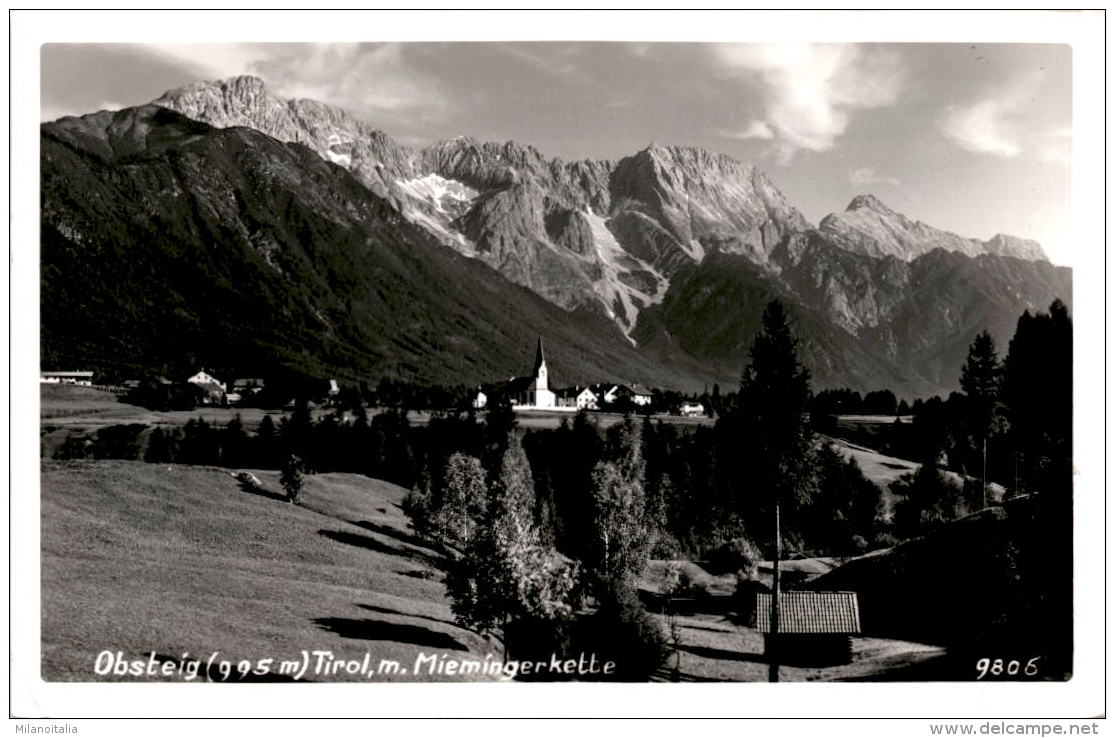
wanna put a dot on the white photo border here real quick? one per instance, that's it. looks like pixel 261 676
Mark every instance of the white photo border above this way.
pixel 1080 697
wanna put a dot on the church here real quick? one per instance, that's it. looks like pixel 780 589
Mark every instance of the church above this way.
pixel 534 390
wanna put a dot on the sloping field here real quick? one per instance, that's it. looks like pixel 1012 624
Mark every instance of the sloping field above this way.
pixel 713 648
pixel 63 409
pixel 716 644
pixel 183 562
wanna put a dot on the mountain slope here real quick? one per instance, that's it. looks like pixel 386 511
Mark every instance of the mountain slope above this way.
pixel 597 235
pixel 713 311
pixel 869 227
pixel 629 250
pixel 168 243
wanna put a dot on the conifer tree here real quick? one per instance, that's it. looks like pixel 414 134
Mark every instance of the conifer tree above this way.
pixel 980 380
pixel 292 479
pixel 774 398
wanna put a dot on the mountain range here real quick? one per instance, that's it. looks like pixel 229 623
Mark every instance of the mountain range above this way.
pixel 256 229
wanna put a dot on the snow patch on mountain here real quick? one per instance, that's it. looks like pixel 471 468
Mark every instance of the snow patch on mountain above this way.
pixel 440 192
pixel 441 230
pixel 615 261
pixel 343 159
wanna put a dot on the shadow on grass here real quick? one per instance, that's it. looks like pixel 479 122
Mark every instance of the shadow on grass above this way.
pixel 935 669
pixel 706 627
pixel 373 544
pixel 426 574
pixel 261 491
pixel 705 605
pixel 389 611
pixel 379 630
pixel 723 654
pixel 399 535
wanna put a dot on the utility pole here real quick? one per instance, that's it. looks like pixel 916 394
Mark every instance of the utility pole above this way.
pixel 983 479
pixel 772 651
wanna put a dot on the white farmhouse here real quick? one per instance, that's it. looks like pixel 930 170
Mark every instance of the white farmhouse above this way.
pixel 692 409
pixel 203 378
pixel 586 399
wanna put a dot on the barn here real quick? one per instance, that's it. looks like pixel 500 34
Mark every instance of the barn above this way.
pixel 814 628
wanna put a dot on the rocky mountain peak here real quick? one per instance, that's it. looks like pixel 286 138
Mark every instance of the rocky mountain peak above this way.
pixel 1003 244
pixel 334 134
pixel 869 202
pixel 867 226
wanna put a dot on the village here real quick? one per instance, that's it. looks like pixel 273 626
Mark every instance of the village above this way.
pixel 531 392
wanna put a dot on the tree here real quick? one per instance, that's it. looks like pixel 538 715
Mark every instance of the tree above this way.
pixel 843 507
pixel 1037 397
pixel 773 402
pixel 621 531
pixel 265 446
pixel 928 499
pixel 296 431
pixel 505 573
pixel 980 379
pixel 235 443
pixel 161 447
pixel 463 499
pixel 774 399
pixel 292 479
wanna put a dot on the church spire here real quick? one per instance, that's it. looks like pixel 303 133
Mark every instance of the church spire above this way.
pixel 539 357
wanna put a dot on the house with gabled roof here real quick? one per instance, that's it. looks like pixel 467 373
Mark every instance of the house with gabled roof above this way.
pixel 641 394
pixel 203 378
pixel 814 628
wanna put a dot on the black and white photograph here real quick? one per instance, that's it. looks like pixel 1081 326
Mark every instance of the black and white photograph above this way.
pixel 414 359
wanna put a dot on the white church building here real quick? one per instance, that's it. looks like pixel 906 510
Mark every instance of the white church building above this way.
pixel 534 391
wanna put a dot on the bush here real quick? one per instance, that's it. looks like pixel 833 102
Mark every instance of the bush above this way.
pixel 118 442
pixel 744 599
pixel 622 631
pixel 416 506
pixel 737 555
pixel 665 546
pixel 292 478
pixel 74 447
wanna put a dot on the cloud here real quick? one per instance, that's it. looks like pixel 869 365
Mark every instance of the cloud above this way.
pixel 810 92
pixel 376 80
pixel 757 129
pixel 984 128
pixel 564 62
pixel 1000 124
pixel 868 176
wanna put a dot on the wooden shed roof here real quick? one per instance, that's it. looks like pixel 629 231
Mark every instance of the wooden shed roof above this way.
pixel 810 612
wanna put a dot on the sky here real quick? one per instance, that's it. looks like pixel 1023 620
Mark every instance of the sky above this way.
pixel 971 138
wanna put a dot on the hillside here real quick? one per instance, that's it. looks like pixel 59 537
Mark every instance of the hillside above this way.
pixel 168 244
pixel 181 560
pixel 995 582
pixel 261 232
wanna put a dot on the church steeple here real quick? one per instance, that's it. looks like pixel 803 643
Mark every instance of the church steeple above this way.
pixel 539 372
pixel 539 358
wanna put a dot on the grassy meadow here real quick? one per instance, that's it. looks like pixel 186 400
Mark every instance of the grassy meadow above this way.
pixel 177 559
pixel 184 561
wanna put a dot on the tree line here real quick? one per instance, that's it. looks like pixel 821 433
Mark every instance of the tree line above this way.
pixel 548 530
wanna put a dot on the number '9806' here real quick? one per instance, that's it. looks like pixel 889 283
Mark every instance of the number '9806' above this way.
pixel 991 668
